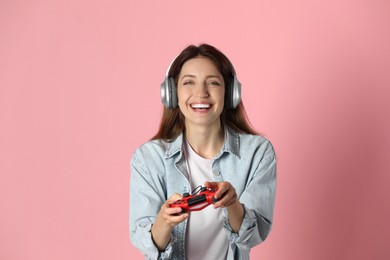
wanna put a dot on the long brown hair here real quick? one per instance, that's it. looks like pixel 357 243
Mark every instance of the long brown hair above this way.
pixel 172 121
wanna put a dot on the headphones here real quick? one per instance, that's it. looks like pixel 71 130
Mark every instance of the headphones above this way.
pixel 169 91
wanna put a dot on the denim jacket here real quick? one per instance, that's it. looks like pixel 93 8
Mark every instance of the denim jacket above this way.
pixel 158 170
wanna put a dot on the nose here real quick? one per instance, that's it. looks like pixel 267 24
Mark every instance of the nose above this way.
pixel 201 91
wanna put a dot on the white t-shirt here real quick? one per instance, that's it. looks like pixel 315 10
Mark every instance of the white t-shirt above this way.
pixel 205 236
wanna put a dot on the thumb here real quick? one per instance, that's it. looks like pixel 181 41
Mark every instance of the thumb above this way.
pixel 174 197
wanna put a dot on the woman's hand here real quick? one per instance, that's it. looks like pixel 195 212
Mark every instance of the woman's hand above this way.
pixel 227 198
pixel 167 218
pixel 172 216
pixel 226 194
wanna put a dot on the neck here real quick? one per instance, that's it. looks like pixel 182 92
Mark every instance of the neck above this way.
pixel 205 141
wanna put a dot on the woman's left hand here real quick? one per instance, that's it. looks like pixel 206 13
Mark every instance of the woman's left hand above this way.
pixel 226 194
pixel 227 197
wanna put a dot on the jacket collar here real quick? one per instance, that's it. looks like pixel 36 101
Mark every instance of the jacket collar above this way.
pixel 231 145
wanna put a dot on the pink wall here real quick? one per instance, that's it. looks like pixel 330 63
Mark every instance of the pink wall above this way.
pixel 79 91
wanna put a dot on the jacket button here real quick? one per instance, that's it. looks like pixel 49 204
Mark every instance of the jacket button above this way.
pixel 217 173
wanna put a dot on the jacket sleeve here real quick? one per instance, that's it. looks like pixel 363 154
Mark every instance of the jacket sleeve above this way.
pixel 258 201
pixel 146 198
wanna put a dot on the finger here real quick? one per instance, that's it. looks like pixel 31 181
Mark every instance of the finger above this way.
pixel 210 184
pixel 172 214
pixel 173 211
pixel 176 219
pixel 222 189
pixel 221 201
pixel 227 199
pixel 174 197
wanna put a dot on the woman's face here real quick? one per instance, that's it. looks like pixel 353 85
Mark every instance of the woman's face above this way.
pixel 201 92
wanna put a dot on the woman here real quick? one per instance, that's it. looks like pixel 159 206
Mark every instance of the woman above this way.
pixel 204 139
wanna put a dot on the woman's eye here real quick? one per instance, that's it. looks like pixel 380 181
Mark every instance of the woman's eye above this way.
pixel 187 82
pixel 214 83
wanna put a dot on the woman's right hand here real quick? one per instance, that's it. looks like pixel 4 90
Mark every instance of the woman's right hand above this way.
pixel 172 216
pixel 167 218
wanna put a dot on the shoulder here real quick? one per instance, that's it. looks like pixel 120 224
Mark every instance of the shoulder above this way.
pixel 151 148
pixel 158 148
pixel 256 143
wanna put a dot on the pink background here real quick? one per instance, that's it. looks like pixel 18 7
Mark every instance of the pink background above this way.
pixel 79 91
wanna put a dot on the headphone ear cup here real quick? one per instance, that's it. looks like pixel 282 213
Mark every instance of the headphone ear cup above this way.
pixel 164 88
pixel 233 94
pixel 173 92
pixel 169 93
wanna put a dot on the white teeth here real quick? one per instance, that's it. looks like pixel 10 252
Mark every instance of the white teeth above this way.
pixel 200 105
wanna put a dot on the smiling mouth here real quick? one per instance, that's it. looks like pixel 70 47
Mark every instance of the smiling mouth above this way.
pixel 200 106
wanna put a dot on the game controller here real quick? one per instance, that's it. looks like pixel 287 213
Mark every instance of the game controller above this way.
pixel 198 201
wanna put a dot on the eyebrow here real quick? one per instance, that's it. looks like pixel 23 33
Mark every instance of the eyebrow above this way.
pixel 193 76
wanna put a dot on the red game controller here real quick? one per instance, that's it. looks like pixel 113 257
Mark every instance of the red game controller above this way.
pixel 197 201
